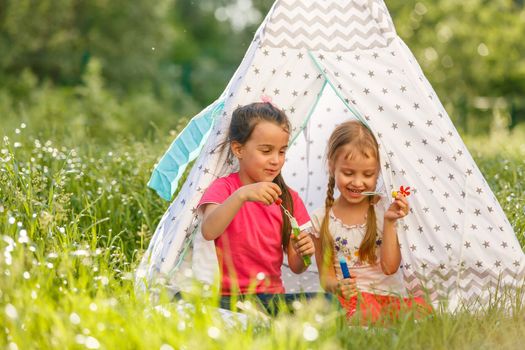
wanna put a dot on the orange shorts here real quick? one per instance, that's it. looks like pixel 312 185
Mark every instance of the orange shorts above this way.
pixel 374 308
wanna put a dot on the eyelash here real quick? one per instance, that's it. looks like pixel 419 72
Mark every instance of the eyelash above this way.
pixel 367 176
pixel 266 152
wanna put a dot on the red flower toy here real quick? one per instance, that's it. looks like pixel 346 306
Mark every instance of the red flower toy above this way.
pixel 403 190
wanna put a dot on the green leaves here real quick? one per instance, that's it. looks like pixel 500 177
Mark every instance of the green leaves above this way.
pixel 471 52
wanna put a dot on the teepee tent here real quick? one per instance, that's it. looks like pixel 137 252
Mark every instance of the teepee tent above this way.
pixel 325 62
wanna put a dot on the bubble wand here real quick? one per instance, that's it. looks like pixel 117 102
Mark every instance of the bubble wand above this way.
pixel 405 191
pixel 296 230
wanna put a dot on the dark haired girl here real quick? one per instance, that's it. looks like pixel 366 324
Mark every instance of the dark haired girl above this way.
pixel 241 211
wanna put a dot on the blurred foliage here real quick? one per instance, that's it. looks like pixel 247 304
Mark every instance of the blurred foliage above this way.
pixel 170 58
pixel 95 68
pixel 88 112
pixel 56 38
pixel 472 52
pixel 208 50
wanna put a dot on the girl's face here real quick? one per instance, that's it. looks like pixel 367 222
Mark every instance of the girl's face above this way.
pixel 355 173
pixel 262 156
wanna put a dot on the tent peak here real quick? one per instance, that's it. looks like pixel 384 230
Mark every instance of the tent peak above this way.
pixel 328 25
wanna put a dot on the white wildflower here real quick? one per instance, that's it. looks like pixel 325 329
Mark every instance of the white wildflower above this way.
pixel 11 312
pixel 74 318
pixel 214 332
pixel 310 333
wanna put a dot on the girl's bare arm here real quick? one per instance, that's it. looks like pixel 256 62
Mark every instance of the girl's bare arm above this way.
pixel 216 217
pixel 390 252
pixel 327 277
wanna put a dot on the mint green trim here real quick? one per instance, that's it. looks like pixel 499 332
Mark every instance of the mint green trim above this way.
pixel 307 119
pixel 321 70
pixel 184 149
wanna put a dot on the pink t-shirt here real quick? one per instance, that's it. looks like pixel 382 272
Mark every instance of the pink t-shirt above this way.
pixel 249 251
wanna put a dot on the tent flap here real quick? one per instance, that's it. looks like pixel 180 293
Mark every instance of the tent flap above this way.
pixel 183 150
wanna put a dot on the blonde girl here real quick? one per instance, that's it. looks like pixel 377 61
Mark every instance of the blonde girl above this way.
pixel 354 228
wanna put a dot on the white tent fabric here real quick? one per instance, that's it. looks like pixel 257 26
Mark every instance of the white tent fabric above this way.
pixel 324 62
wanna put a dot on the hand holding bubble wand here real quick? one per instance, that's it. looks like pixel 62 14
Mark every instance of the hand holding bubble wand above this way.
pixel 296 230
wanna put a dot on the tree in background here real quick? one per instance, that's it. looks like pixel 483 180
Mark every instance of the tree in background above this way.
pixel 55 39
pixel 212 37
pixel 98 67
pixel 473 53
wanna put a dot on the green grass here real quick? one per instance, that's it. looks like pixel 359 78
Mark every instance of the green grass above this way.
pixel 74 222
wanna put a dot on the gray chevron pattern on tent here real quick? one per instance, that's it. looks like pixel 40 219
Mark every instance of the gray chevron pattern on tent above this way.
pixel 443 284
pixel 329 25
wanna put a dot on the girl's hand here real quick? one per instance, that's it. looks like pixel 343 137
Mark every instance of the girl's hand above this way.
pixel 264 192
pixel 303 244
pixel 347 288
pixel 398 209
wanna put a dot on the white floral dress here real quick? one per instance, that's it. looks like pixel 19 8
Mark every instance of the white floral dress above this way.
pixel 347 238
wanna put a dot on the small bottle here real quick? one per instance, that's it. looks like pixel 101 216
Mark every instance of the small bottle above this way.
pixel 296 230
pixel 344 267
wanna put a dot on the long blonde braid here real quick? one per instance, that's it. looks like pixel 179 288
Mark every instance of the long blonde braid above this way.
pixel 327 241
pixel 367 249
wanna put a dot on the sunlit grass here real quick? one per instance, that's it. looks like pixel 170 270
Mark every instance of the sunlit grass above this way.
pixel 501 158
pixel 74 222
